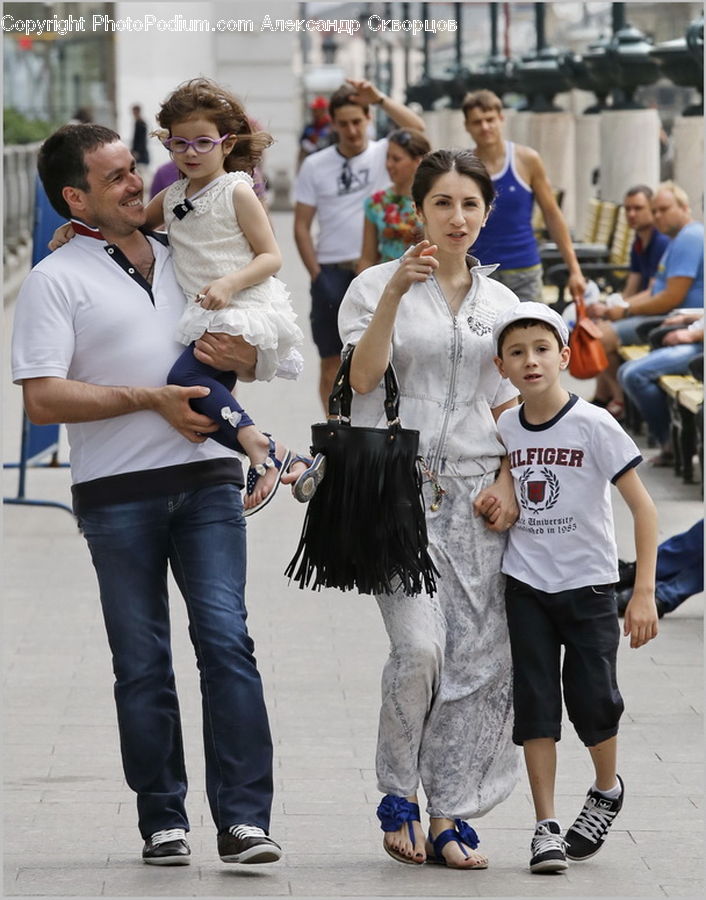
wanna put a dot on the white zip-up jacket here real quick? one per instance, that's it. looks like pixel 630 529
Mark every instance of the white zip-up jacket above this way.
pixel 444 365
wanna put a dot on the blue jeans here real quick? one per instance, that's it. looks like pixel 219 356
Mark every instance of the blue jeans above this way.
pixel 680 567
pixel 639 381
pixel 627 332
pixel 201 535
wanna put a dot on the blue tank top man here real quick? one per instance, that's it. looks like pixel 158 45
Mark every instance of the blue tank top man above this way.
pixel 519 178
pixel 507 237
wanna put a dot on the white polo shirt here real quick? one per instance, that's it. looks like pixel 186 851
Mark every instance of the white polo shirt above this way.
pixel 85 314
pixel 337 186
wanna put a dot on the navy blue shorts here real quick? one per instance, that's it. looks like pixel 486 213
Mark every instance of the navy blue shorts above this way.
pixel 327 291
pixel 585 621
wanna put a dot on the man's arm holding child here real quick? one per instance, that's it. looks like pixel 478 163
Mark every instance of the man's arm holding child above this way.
pixel 50 400
pixel 641 614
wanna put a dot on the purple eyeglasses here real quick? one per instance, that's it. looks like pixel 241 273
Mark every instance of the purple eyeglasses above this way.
pixel 200 144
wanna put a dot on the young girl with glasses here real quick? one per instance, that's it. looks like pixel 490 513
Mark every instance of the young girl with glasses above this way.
pixel 225 258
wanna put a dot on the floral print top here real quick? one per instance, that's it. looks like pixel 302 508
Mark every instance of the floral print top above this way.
pixel 395 220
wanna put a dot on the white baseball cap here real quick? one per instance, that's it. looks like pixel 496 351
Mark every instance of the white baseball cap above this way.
pixel 529 309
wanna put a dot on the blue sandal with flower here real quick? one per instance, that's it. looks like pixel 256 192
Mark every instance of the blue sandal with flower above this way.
pixel 463 835
pixel 257 471
pixel 394 812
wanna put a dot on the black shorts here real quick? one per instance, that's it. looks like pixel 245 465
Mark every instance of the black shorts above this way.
pixel 327 291
pixel 585 621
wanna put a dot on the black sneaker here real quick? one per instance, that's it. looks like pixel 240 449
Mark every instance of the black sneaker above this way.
pixel 548 849
pixel 167 848
pixel 588 833
pixel 626 574
pixel 247 844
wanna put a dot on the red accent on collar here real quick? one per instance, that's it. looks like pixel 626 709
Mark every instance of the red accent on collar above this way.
pixel 86 230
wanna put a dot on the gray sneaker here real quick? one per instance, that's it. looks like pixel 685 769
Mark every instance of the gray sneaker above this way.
pixel 548 849
pixel 167 848
pixel 247 844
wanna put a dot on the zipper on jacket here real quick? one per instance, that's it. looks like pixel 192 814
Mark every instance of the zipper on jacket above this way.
pixel 434 467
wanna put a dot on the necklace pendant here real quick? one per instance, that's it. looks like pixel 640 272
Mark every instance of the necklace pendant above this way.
pixel 438 497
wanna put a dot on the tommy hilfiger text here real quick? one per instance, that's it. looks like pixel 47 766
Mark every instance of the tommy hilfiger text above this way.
pixel 546 456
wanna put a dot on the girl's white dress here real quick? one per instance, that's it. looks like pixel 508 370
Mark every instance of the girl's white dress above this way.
pixel 207 243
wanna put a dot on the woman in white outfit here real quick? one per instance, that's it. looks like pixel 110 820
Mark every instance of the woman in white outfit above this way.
pixel 446 715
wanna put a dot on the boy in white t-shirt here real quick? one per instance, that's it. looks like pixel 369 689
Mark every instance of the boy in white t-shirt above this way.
pixel 561 566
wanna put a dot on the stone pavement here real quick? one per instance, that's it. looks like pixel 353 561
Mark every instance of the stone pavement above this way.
pixel 69 818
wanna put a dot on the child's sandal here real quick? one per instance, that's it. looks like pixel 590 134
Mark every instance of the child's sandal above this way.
pixel 257 471
pixel 305 486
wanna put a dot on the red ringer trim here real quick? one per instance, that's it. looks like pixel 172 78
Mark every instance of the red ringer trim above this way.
pixel 86 230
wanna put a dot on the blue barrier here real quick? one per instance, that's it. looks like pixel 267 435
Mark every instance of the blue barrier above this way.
pixel 38 441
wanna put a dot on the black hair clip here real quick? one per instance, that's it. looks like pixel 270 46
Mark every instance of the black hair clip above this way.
pixel 181 209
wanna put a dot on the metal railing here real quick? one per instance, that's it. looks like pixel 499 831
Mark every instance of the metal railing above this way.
pixel 19 172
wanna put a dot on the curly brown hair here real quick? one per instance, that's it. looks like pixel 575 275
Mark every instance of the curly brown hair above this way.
pixel 204 98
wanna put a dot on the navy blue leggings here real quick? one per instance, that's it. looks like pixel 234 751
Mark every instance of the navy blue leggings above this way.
pixel 187 371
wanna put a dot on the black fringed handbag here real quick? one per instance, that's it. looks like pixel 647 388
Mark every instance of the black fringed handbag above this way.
pixel 364 527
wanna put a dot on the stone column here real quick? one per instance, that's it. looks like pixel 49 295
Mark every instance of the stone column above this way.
pixel 688 143
pixel 257 66
pixel 517 126
pixel 588 159
pixel 434 119
pixel 553 136
pixel 150 64
pixel 629 151
pixel 455 134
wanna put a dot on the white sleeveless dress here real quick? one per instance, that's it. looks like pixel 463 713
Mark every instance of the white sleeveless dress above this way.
pixel 207 243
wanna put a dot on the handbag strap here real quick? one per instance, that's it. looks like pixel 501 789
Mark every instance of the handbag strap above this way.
pixel 580 309
pixel 339 401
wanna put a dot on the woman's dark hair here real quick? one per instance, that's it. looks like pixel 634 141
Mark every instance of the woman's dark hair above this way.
pixel 439 162
pixel 412 141
pixel 204 98
pixel 61 161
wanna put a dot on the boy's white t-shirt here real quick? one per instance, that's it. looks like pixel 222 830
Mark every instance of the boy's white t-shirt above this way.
pixel 562 472
pixel 337 191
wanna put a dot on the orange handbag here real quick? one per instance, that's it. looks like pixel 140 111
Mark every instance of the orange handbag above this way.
pixel 588 358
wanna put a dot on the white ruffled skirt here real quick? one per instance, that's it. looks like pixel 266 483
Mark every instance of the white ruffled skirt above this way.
pixel 264 317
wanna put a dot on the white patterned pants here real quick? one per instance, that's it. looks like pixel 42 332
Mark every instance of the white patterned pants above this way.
pixel 446 715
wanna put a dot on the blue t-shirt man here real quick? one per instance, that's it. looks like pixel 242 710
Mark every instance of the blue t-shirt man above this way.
pixel 684 258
